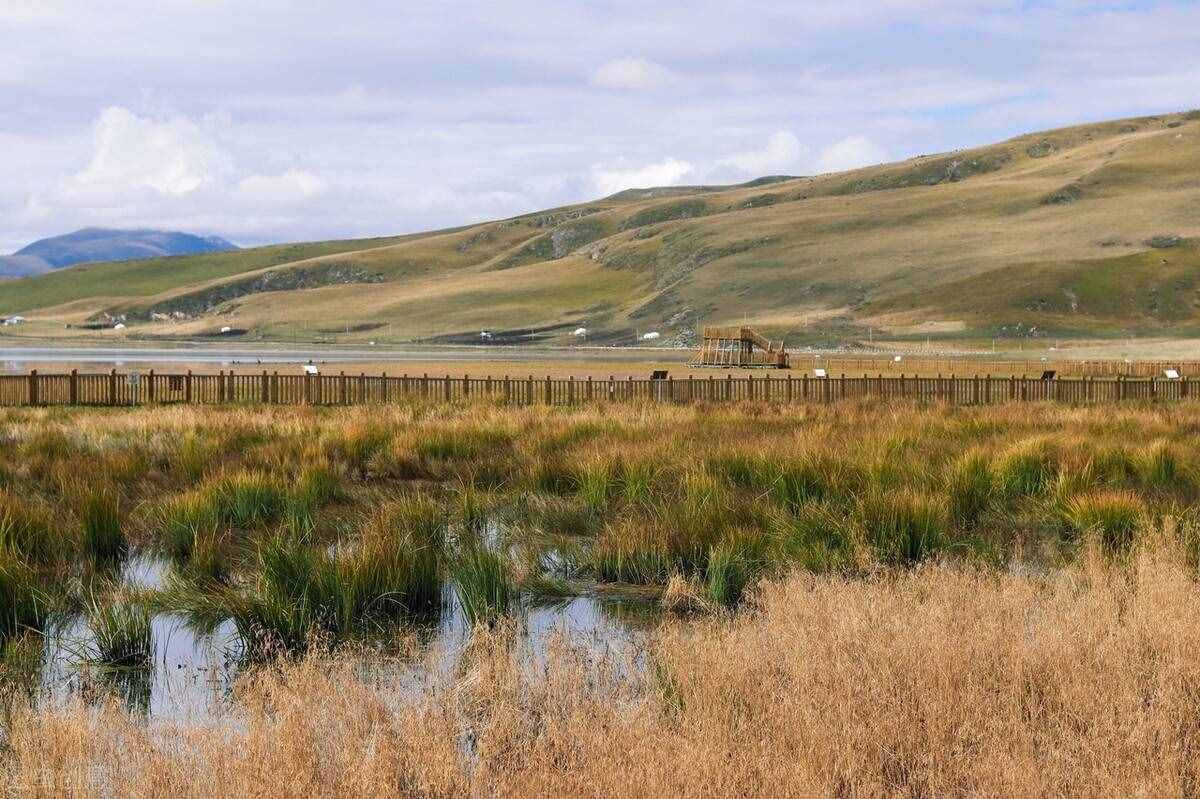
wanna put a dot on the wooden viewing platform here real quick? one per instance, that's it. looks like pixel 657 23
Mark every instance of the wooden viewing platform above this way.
pixel 739 347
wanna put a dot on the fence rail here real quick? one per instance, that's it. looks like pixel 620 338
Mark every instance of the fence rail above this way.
pixel 924 365
pixel 113 389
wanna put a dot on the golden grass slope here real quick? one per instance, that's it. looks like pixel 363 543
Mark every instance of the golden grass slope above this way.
pixel 989 241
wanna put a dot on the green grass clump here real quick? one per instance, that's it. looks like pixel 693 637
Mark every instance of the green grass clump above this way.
pixel 816 537
pixel 630 551
pixel 461 444
pixel 729 570
pixel 122 633
pixel 27 530
pixel 1026 469
pixel 24 605
pixel 1115 467
pixel 298 591
pixel 101 526
pixel 596 483
pixel 318 484
pixel 483 583
pixel 194 455
pixel 248 499
pixel 640 482
pixel 1112 517
pixel 358 445
pixel 183 520
pixel 1159 468
pixel 970 488
pixel 901 527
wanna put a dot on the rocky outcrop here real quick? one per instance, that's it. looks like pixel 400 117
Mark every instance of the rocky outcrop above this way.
pixel 204 301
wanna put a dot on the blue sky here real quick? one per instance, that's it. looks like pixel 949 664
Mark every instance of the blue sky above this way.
pixel 280 120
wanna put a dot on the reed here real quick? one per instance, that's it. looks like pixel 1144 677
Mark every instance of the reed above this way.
pixel 102 526
pixel 901 527
pixel 24 604
pixel 483 583
pixel 122 633
pixel 1112 517
pixel 27 530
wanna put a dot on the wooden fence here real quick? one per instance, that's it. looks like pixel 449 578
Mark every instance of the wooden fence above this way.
pixel 922 365
pixel 113 389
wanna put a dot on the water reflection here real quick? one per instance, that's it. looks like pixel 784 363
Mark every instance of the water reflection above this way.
pixel 193 674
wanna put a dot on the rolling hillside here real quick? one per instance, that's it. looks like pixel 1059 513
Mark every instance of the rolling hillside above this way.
pixel 1088 231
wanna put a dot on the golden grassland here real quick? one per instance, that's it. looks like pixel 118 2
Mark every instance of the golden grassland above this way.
pixel 860 600
pixel 1048 231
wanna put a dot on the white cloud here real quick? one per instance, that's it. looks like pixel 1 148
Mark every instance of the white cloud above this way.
pixel 293 187
pixel 669 172
pixel 783 151
pixel 171 156
pixel 631 73
pixel 850 153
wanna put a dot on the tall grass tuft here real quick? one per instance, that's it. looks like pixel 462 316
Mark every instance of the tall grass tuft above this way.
pixel 1159 468
pixel 1112 517
pixel 970 488
pixel 728 573
pixel 248 499
pixel 101 526
pixel 183 520
pixel 24 605
pixel 483 583
pixel 28 531
pixel 1026 469
pixel 194 455
pixel 902 527
pixel 817 537
pixel 122 633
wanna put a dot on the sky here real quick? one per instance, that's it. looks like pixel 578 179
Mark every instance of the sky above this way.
pixel 282 120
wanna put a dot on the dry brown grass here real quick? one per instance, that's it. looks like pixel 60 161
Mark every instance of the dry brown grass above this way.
pixel 934 682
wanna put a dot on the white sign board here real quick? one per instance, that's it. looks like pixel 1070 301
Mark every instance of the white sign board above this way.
pixel 819 373
pixel 309 369
pixel 1171 374
pixel 133 379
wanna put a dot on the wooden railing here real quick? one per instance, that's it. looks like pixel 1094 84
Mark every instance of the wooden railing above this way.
pixel 922 365
pixel 113 389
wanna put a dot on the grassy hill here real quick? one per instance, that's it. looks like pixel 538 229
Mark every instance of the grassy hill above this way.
pixel 1088 231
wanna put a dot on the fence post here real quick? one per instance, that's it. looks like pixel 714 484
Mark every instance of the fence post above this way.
pixel 33 387
pixel 112 387
pixel 187 387
pixel 75 385
pixel 571 390
pixel 265 389
pixel 549 391
pixel 466 386
pixel 446 388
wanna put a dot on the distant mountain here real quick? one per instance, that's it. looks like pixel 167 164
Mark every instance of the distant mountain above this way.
pixel 101 244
